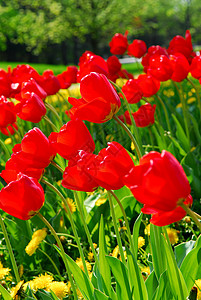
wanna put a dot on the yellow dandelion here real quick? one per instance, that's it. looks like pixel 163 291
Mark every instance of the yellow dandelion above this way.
pixel 132 146
pixel 125 256
pixel 193 90
pixel 141 242
pixel 59 288
pixel 8 141
pixel 198 285
pixel 3 271
pixel 30 283
pixel 95 245
pixel 90 256
pixel 122 229
pixel 42 281
pixel 145 272
pixel 192 149
pixel 173 236
pixel 68 288
pixel 74 90
pixel 115 252
pixel 100 201
pixel 80 264
pixel 37 237
pixel 121 81
pixel 16 290
pixel 190 94
pixel 191 100
pixel 179 105
pixel 71 205
pixel 147 230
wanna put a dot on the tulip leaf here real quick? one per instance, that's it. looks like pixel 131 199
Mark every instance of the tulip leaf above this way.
pixel 98 295
pixel 191 264
pixel 136 280
pixel 163 291
pixel 151 284
pixel 103 264
pixel 43 295
pixel 182 250
pixel 176 280
pixel 5 293
pixel 120 273
pixel 181 135
pixel 136 229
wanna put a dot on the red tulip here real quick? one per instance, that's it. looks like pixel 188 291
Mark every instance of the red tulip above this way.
pixel 110 165
pixel 132 91
pixel 35 150
pixel 119 43
pixel 152 51
pixel 31 108
pixel 160 67
pixel 5 83
pixel 49 82
pixel 159 182
pixel 76 175
pixel 7 112
pixel 68 77
pixel 144 116
pixel 114 65
pixel 148 85
pixel 9 130
pixel 180 67
pixel 195 67
pixel 99 100
pixel 23 73
pixel 89 62
pixel 138 48
pixel 73 136
pixel 123 73
pixel 31 86
pixel 22 198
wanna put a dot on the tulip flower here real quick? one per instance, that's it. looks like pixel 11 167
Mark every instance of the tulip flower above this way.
pixel 195 67
pixel 137 48
pixel 144 116
pixel 73 136
pixel 68 77
pixel 152 51
pixel 5 83
pixel 76 175
pixel 89 62
pixel 31 86
pixel 114 65
pixel 148 85
pixel 119 43
pixel 9 130
pixel 35 150
pixel 7 112
pixel 159 182
pixel 180 67
pixel 49 82
pixel 99 100
pixel 160 67
pixel 22 198
pixel 23 73
pixel 132 91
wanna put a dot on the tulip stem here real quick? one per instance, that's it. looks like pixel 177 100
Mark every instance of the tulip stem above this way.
pixel 7 153
pixel 125 219
pixel 10 251
pixel 85 226
pixel 116 229
pixel 57 166
pixel 51 260
pixel 130 135
pixel 63 254
pixel 197 94
pixel 165 112
pixel 192 215
pixel 71 222
pixel 53 110
pixel 50 122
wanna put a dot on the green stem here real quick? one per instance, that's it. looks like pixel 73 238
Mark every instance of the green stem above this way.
pixel 10 251
pixel 192 215
pixel 151 138
pixel 116 229
pixel 7 153
pixel 165 111
pixel 50 122
pixel 71 222
pixel 53 110
pixel 85 226
pixel 130 135
pixel 51 260
pixel 57 166
pixel 125 219
pixel 185 113
pixel 63 254
pixel 197 94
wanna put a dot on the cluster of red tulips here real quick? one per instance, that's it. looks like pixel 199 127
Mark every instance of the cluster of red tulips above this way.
pixel 158 182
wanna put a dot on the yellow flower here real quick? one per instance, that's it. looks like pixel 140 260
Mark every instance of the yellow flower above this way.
pixel 37 237
pixel 90 256
pixel 42 281
pixel 191 100
pixel 198 285
pixel 147 230
pixel 59 288
pixel 71 205
pixel 173 236
pixel 115 252
pixel 145 272
pixel 3 271
pixel 121 81
pixel 80 264
pixel 179 105
pixel 100 201
pixel 141 242
pixel 8 141
pixel 74 90
pixel 15 291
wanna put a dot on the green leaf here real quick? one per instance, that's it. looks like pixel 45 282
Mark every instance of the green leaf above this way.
pixel 151 284
pixel 177 282
pixel 120 273
pixel 5 293
pixel 158 252
pixel 136 280
pixel 136 229
pixel 181 135
pixel 163 289
pixel 182 250
pixel 103 264
pixel 43 295
pixel 98 295
pixel 191 264
pixel 53 295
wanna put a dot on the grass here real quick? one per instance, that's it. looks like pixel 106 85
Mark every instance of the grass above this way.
pixel 134 68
